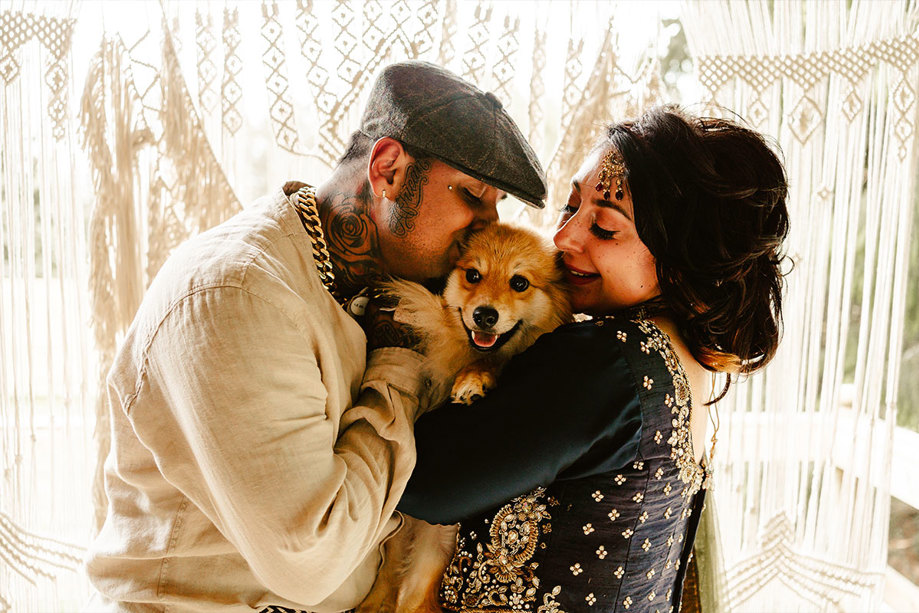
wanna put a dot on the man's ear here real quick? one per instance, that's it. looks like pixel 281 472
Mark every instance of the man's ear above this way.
pixel 386 169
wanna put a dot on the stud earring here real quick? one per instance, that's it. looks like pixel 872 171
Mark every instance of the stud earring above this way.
pixel 384 193
pixel 611 168
pixel 450 187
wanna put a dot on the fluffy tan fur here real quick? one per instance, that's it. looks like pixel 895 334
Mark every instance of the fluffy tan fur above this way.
pixel 416 556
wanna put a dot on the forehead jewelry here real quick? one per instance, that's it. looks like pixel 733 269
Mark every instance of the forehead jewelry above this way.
pixel 611 168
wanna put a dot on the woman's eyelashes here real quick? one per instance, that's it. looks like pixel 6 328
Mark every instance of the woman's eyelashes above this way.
pixel 601 233
pixel 568 211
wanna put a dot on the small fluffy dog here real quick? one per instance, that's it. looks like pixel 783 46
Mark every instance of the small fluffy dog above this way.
pixel 506 290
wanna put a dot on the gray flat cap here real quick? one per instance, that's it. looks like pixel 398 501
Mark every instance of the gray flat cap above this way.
pixel 429 108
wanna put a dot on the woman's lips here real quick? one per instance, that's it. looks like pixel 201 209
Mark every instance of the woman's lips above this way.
pixel 579 277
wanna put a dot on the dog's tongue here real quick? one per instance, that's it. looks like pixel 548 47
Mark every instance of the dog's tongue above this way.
pixel 483 339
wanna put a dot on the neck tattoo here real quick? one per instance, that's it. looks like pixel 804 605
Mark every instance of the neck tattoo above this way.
pixel 352 238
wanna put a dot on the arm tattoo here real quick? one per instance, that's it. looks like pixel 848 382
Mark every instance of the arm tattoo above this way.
pixel 408 202
pixel 390 333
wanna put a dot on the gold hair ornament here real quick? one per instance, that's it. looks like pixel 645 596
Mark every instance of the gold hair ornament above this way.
pixel 611 168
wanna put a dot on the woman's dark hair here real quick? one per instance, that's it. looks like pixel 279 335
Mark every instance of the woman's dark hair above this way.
pixel 709 203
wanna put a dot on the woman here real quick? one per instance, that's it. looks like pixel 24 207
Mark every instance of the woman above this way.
pixel 579 481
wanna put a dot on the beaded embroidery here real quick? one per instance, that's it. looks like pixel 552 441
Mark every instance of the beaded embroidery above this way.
pixel 501 575
pixel 680 440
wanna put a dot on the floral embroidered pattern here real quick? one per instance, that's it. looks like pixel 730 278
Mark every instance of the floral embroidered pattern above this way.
pixel 501 574
pixel 680 440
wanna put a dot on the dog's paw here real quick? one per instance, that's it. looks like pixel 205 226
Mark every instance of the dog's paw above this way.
pixel 471 385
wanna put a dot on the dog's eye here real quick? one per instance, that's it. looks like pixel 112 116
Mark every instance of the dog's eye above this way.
pixel 518 283
pixel 472 275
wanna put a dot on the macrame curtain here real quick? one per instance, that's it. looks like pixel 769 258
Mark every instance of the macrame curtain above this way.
pixel 146 132
pixel 127 129
pixel 803 484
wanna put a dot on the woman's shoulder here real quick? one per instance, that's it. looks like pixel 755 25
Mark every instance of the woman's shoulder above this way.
pixel 641 340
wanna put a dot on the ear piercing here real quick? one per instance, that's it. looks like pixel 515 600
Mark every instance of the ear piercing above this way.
pixel 611 168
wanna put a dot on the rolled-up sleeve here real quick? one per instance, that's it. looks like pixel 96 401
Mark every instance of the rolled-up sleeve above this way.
pixel 242 429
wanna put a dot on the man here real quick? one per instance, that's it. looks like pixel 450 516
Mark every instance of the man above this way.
pixel 254 462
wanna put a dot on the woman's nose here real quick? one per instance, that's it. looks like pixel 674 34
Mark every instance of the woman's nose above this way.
pixel 566 238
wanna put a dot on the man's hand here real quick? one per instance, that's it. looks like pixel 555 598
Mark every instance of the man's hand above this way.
pixel 382 329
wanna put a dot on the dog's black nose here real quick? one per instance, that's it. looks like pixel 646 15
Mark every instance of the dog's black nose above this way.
pixel 485 316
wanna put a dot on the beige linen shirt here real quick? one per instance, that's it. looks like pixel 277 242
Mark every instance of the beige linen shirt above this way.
pixel 253 461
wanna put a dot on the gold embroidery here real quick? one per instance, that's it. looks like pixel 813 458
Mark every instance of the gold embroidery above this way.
pixel 549 604
pixel 681 440
pixel 501 573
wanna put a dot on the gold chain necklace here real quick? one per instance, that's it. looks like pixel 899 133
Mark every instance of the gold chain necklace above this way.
pixel 305 203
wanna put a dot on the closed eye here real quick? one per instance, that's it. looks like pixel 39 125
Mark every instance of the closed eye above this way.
pixel 601 233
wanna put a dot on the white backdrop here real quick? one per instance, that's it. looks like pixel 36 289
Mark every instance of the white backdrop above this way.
pixel 127 127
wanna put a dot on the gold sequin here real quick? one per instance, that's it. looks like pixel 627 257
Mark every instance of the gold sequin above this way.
pixel 506 561
pixel 667 567
pixel 670 541
pixel 648 382
pixel 597 496
pixel 651 596
pixel 658 437
pixel 576 569
pixel 650 573
pixel 613 515
pixel 668 513
pixel 638 497
pixel 587 528
pixel 667 489
pixel 601 552
pixel 681 440
pixel 619 572
pixel 622 336
pixel 638 465
pixel 643 517
pixel 646 545
pixel 627 602
pixel 659 473
pixel 628 532
pixel 619 479
pixel 591 599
